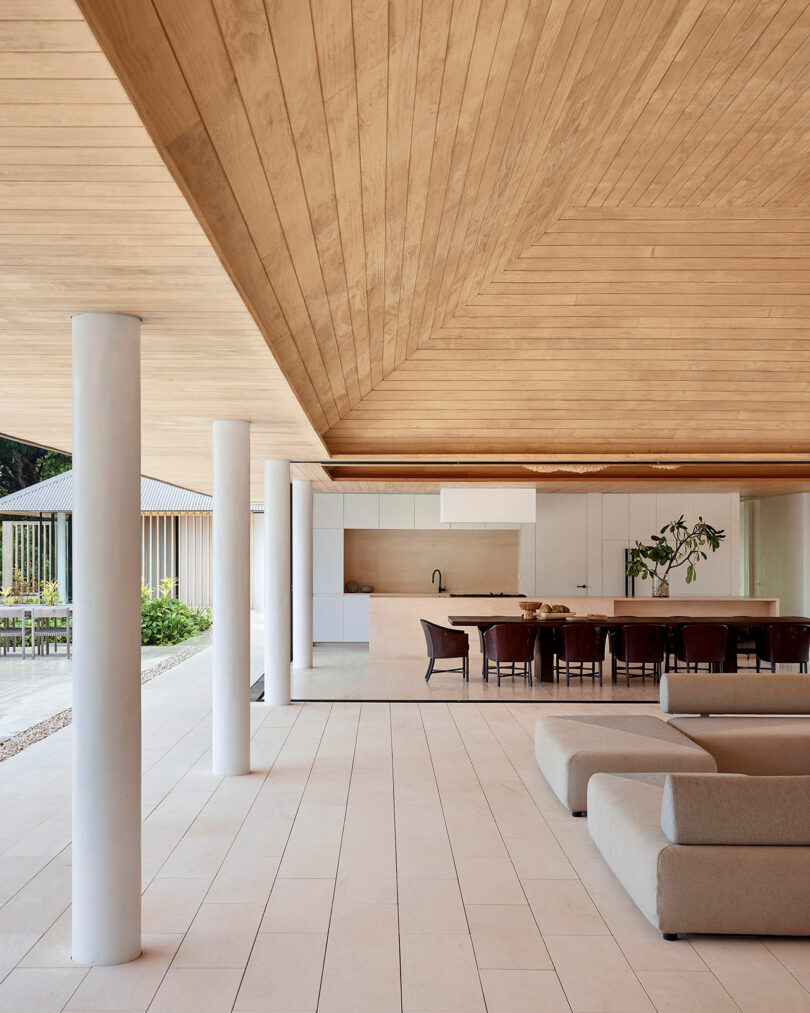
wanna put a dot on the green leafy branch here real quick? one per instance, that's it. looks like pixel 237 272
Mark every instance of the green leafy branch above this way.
pixel 675 545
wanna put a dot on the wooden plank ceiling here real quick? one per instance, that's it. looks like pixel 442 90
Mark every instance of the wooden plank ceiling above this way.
pixel 91 219
pixel 507 227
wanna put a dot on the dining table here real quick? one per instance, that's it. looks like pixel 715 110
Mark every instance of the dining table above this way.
pixel 26 613
pixel 739 628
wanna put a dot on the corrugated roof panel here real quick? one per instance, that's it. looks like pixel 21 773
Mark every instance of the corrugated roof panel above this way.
pixel 56 494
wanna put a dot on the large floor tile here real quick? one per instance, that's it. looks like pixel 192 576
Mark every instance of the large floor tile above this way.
pixel 595 975
pixel 127 986
pixel 221 936
pixel 363 935
pixel 687 992
pixel 431 906
pixel 506 937
pixel 523 992
pixel 562 907
pixel 360 990
pixel 283 973
pixel 752 975
pixel 39 990
pixel 299 905
pixel 439 973
pixel 488 881
pixel 201 990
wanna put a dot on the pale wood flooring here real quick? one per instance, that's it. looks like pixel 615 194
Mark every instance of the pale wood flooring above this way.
pixel 381 857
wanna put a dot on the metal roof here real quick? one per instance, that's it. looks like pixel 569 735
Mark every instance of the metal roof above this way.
pixel 56 494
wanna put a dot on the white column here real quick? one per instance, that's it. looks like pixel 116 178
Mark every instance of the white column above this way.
pixel 277 582
pixel 230 587
pixel 61 554
pixel 302 573
pixel 107 639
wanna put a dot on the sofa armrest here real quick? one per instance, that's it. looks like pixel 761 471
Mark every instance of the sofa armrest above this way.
pixel 736 809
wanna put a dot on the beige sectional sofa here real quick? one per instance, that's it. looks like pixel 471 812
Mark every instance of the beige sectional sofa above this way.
pixel 719 840
pixel 713 853
pixel 569 750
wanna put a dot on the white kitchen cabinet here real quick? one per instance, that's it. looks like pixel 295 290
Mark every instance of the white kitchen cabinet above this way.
pixel 467 525
pixel 355 618
pixel 361 510
pixel 327 618
pixel 327 560
pixel 426 512
pixel 396 511
pixel 641 517
pixel 502 525
pixel 561 544
pixel 327 510
pixel 615 516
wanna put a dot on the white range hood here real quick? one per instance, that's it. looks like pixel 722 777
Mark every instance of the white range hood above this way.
pixel 515 506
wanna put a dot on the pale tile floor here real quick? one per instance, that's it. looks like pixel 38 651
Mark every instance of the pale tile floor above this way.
pixel 38 686
pixel 346 672
pixel 380 857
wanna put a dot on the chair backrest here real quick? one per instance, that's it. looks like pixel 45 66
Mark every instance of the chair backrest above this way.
pixel 785 643
pixel 640 642
pixel 582 642
pixel 510 642
pixel 443 641
pixel 702 643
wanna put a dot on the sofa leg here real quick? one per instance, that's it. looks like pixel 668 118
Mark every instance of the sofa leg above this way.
pixel 670 936
pixel 580 812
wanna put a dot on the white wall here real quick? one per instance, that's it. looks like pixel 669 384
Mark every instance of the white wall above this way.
pixel 578 538
pixel 780 529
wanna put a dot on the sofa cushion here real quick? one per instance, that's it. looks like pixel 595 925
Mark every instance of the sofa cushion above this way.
pixel 763 890
pixel 570 749
pixel 734 809
pixel 752 745
pixel 735 693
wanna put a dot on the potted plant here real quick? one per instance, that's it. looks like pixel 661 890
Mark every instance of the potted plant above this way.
pixel 675 545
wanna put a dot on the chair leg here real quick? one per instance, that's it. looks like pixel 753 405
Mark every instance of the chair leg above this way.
pixel 429 672
pixel 529 671
pixel 567 673
pixel 600 673
pixel 498 670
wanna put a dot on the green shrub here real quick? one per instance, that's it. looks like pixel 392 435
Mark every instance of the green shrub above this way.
pixel 166 620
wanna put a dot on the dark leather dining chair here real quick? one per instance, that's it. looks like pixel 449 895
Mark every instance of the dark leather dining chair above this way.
pixel 511 644
pixel 581 644
pixel 638 645
pixel 444 642
pixel 783 644
pixel 701 644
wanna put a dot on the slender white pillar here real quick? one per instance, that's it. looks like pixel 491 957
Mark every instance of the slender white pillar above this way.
pixel 61 554
pixel 277 582
pixel 107 639
pixel 231 598
pixel 302 573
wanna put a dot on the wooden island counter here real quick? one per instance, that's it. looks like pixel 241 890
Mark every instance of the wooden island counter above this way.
pixel 394 630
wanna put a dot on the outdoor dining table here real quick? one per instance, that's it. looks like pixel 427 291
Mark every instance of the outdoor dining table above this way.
pixel 544 645
pixel 26 613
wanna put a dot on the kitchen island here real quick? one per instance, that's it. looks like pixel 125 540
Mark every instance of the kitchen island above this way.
pixel 394 630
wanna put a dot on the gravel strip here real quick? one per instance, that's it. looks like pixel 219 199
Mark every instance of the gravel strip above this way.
pixel 16 743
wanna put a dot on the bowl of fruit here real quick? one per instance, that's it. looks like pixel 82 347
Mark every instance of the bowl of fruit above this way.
pixel 547 611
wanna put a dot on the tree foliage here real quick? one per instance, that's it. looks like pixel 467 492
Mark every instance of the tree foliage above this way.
pixel 22 465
